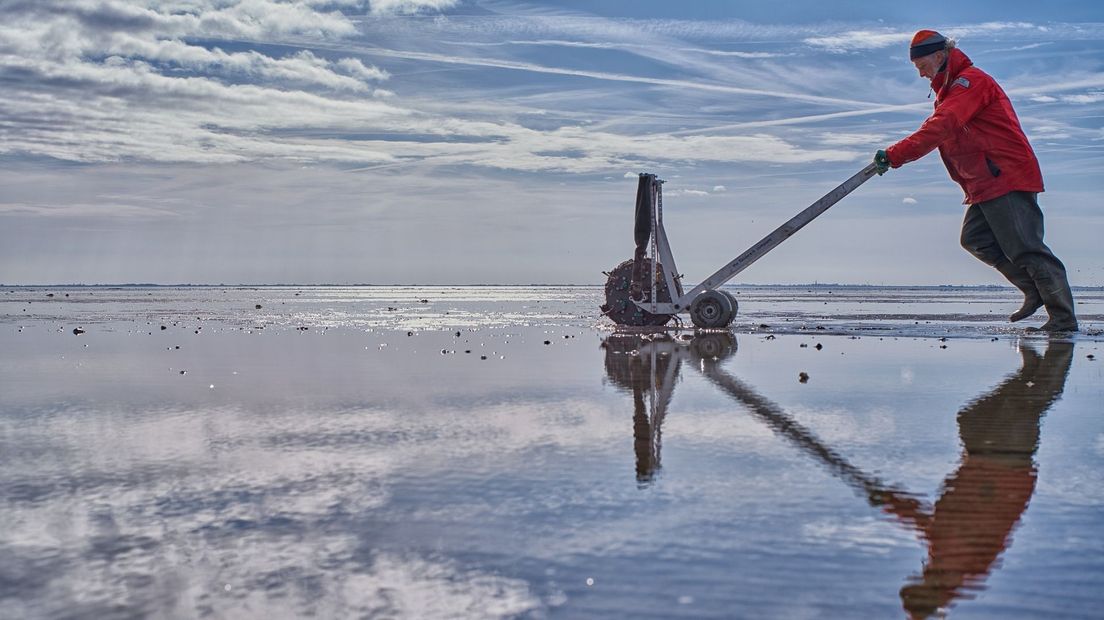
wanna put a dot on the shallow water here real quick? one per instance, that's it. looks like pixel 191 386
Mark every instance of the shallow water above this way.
pixel 501 452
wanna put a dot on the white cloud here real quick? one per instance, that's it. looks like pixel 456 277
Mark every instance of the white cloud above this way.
pixel 41 44
pixel 993 27
pixel 561 43
pixel 149 93
pixel 76 210
pixel 873 39
pixel 146 94
pixel 1084 98
pixel 251 19
pixel 608 45
pixel 718 189
pixel 733 54
pixel 262 19
pixel 1050 131
pixel 909 200
pixel 1069 81
pixel 852 139
pixel 410 7
pixel 101 81
pixel 687 192
pixel 1020 48
pixel 165 117
pixel 683 84
pixel 859 40
pixel 356 68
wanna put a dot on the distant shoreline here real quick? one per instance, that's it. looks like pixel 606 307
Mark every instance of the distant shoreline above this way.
pixel 819 286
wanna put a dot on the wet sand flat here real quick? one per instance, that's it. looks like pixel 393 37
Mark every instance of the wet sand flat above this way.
pixel 441 452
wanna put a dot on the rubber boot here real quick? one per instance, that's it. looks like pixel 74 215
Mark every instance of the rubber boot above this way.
pixel 1021 280
pixel 1054 289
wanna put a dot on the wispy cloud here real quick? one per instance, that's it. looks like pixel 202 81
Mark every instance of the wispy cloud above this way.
pixel 736 54
pixel 85 210
pixel 410 98
pixel 1082 99
pixel 612 77
pixel 410 7
pixel 636 47
pixel 852 139
pixel 863 39
pixel 1020 48
pixel 127 82
pixel 859 40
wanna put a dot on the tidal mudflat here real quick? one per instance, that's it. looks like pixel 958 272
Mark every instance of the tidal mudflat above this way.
pixel 485 452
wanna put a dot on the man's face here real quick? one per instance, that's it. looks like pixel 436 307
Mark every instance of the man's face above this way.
pixel 929 65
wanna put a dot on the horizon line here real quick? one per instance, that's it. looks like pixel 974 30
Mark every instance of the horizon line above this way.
pixel 470 285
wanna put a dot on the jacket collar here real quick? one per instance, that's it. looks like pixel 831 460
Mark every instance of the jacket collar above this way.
pixel 956 62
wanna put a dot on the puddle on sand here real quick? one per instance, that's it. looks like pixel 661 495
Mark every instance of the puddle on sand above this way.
pixel 964 524
pixel 537 466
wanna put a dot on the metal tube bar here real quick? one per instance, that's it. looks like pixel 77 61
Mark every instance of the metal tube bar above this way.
pixel 654 246
pixel 666 257
pixel 780 234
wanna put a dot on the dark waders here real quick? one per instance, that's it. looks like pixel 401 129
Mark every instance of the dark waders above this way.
pixel 1007 234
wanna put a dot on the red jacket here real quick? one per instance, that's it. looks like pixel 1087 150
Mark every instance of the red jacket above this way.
pixel 978 135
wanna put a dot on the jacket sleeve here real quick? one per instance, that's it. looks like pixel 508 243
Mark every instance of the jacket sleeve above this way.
pixel 952 113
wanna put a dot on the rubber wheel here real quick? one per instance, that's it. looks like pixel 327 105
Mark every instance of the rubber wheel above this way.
pixel 712 310
pixel 619 306
pixel 735 305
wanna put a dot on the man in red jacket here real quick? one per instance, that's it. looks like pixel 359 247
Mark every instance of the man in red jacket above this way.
pixel 986 152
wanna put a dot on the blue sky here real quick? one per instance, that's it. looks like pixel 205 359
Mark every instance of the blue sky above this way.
pixel 453 141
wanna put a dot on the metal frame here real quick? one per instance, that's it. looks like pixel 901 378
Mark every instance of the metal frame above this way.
pixel 661 248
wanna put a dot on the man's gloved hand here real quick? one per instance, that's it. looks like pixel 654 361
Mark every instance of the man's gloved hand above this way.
pixel 881 160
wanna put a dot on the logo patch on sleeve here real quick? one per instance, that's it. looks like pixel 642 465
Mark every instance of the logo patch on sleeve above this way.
pixel 963 82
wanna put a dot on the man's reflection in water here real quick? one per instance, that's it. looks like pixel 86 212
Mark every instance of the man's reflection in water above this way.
pixel 647 366
pixel 983 500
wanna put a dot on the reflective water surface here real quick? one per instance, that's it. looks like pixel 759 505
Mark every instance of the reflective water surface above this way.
pixel 500 452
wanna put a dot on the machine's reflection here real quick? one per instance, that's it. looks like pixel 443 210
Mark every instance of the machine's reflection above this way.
pixel 647 366
pixel 965 530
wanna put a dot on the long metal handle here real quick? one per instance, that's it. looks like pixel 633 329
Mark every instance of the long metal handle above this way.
pixel 783 232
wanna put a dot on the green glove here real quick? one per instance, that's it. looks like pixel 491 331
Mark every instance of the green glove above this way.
pixel 881 160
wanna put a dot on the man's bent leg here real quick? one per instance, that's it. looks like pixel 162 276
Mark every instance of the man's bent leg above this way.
pixel 978 239
pixel 1017 224
pixel 1023 281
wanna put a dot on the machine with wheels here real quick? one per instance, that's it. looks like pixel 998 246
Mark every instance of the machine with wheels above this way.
pixel 646 290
